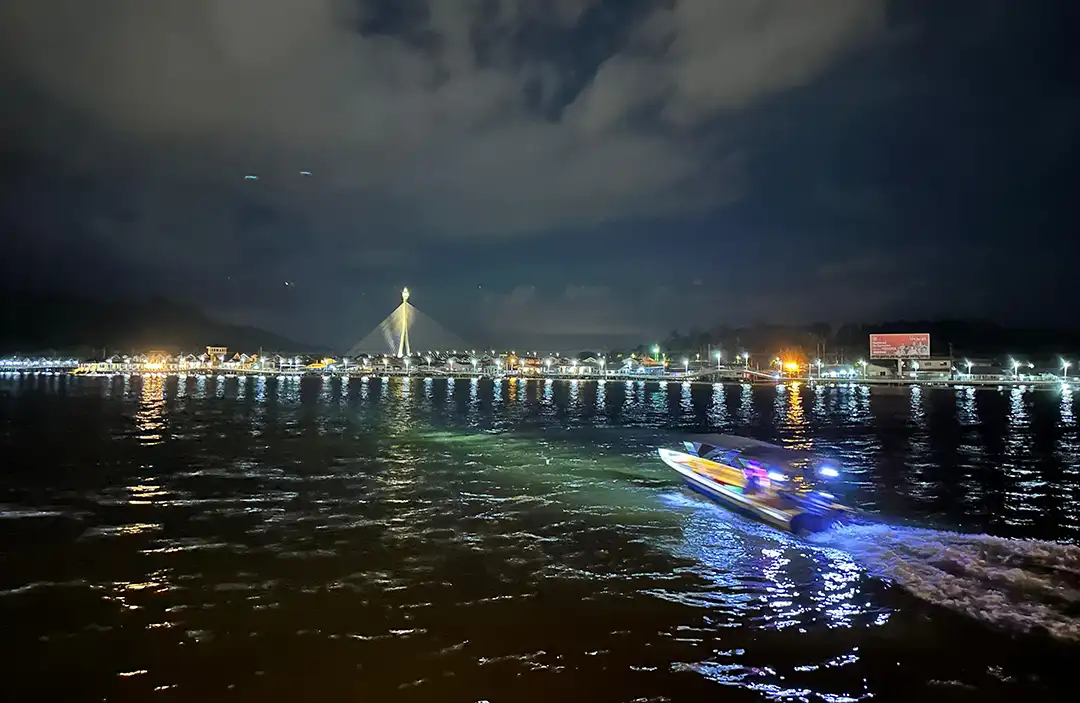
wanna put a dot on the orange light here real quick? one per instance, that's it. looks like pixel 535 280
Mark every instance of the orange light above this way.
pixel 791 366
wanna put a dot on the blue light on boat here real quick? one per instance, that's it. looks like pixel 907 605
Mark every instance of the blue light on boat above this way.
pixel 828 472
pixel 777 476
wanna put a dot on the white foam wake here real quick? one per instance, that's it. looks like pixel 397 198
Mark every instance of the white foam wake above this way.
pixel 1016 584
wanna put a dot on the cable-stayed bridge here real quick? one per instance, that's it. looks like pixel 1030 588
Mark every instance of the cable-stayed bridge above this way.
pixel 407 330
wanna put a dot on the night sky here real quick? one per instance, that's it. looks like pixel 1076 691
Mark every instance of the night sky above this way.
pixel 546 172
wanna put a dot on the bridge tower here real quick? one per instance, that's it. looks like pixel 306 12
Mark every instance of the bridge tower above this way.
pixel 403 341
pixel 403 327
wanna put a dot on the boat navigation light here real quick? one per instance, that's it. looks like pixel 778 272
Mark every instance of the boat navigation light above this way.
pixel 828 472
pixel 777 476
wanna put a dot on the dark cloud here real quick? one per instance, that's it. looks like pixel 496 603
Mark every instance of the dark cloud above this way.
pixel 425 129
pixel 525 165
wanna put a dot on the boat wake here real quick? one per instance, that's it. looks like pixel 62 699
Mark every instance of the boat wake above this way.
pixel 1014 584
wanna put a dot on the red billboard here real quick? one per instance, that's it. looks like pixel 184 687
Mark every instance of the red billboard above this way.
pixel 900 346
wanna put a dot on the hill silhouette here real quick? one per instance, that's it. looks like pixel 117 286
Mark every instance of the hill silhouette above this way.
pixel 960 337
pixel 35 322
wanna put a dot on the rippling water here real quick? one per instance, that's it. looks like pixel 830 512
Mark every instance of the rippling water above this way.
pixel 202 539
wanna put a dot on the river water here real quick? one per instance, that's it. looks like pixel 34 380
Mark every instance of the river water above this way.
pixel 241 539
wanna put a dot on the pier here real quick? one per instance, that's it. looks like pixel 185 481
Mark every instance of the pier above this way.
pixel 38 365
pixel 736 375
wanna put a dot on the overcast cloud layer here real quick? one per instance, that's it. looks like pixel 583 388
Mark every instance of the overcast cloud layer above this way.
pixel 500 128
pixel 501 141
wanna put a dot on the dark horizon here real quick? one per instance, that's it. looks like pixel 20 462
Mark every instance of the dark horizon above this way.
pixel 65 322
pixel 550 172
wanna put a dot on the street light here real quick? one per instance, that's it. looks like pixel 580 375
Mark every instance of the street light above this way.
pixel 1065 368
pixel 818 362
pixel 746 359
pixel 656 351
pixel 719 357
pixel 1016 369
pixel 686 365
pixel 969 365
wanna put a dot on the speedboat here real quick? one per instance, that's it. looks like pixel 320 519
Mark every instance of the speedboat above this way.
pixel 785 488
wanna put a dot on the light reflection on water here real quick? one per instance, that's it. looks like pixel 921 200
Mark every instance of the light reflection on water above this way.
pixel 1067 451
pixel 1023 488
pixel 718 412
pixel 790 405
pixel 337 526
pixel 746 414
pixel 150 420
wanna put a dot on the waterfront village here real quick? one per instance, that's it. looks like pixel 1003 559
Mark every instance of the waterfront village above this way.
pixel 641 364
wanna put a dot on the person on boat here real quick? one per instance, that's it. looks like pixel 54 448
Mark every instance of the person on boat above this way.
pixel 779 494
pixel 755 480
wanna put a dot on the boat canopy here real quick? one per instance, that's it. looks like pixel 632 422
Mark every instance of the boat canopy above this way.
pixel 744 452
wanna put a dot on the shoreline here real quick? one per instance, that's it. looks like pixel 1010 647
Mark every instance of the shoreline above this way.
pixel 726 377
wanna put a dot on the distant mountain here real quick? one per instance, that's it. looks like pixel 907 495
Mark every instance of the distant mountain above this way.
pixel 960 337
pixel 31 323
pixel 972 337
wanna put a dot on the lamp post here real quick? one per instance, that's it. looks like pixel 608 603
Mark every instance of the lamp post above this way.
pixel 968 364
pixel 686 365
pixel 1065 369
pixel 746 359
pixel 1016 370
pixel 719 358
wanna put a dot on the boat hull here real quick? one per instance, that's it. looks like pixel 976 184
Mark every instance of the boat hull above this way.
pixel 794 520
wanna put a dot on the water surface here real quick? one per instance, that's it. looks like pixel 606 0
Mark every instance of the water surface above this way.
pixel 245 539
